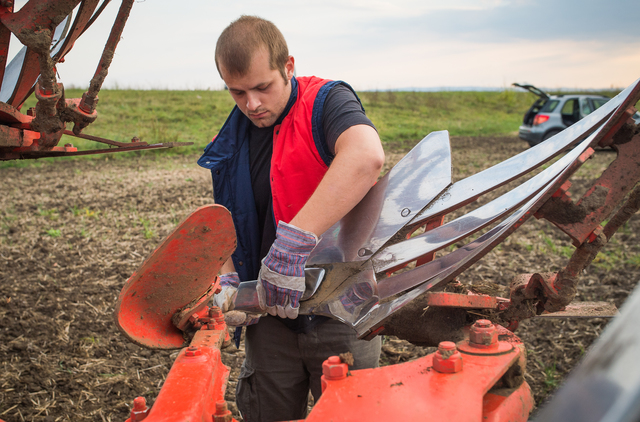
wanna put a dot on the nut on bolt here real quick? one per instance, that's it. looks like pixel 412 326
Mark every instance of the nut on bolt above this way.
pixel 483 334
pixel 223 414
pixel 192 351
pixel 447 359
pixel 334 369
pixel 140 409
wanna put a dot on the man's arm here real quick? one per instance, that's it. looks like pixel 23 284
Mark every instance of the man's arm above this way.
pixel 357 164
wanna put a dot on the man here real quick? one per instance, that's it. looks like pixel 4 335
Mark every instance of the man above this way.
pixel 294 157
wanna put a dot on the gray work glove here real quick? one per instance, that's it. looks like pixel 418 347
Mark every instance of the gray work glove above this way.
pixel 224 300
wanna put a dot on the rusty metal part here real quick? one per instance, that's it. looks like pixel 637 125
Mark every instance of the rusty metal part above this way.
pixel 581 219
pixel 531 294
pixel 86 106
pixel 223 414
pixel 630 207
pixel 46 30
pixel 31 149
pixel 461 300
pixel 90 98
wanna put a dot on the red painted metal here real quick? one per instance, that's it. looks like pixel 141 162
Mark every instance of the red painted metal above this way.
pixel 34 25
pixel 195 386
pixel 461 300
pixel 182 268
pixel 507 404
pixel 415 391
pixel 447 360
pixel 581 221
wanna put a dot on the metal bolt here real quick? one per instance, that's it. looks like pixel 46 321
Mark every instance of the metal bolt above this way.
pixel 334 369
pixel 222 412
pixel 446 348
pixel 140 409
pixel 192 351
pixel 483 323
pixel 447 359
pixel 215 312
pixel 483 334
pixel 88 104
pixel 139 403
pixel 364 252
pixel 6 3
pixel 45 91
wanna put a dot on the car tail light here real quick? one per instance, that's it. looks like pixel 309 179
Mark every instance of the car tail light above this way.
pixel 540 119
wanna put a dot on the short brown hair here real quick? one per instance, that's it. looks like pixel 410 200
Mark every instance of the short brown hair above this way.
pixel 243 37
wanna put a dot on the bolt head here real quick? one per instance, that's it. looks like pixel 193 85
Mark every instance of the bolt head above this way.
pixel 483 323
pixel 139 403
pixel 214 312
pixel 483 334
pixel 334 369
pixel 192 351
pixel 447 359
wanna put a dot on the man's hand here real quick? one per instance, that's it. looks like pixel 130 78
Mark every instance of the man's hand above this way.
pixel 225 299
pixel 229 283
pixel 240 319
pixel 281 279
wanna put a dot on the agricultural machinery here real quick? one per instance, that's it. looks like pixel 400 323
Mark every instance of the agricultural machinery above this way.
pixel 47 30
pixel 394 258
pixel 390 266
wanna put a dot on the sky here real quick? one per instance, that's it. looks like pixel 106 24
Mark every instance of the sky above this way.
pixel 378 44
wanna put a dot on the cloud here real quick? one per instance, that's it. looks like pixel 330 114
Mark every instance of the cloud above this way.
pixel 378 44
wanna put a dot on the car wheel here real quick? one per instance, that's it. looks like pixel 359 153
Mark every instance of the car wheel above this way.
pixel 550 134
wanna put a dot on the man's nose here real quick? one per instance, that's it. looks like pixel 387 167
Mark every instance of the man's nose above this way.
pixel 253 102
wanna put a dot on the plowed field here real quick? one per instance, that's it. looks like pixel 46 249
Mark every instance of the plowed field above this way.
pixel 72 232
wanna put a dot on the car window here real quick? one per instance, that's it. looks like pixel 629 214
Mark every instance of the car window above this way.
pixel 568 107
pixel 585 107
pixel 599 102
pixel 550 106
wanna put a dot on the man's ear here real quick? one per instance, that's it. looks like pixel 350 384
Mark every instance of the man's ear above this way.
pixel 289 67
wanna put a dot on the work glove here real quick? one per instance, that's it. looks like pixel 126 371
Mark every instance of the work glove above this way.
pixel 241 319
pixel 281 278
pixel 229 283
pixel 225 299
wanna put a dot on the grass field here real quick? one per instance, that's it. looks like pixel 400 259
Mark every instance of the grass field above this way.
pixel 402 118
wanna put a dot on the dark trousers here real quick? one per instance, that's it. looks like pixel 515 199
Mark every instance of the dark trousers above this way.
pixel 281 366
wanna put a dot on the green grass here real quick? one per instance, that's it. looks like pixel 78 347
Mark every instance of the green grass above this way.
pixel 402 118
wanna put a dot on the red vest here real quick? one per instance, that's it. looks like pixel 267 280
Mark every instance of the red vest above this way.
pixel 296 165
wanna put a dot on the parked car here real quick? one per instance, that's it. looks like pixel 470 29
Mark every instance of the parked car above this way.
pixel 550 114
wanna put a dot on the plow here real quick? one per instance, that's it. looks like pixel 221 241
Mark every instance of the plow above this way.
pixel 47 31
pixel 389 267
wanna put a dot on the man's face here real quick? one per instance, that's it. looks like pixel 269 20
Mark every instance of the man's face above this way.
pixel 262 93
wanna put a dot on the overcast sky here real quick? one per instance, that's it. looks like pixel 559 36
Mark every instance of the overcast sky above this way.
pixel 379 44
